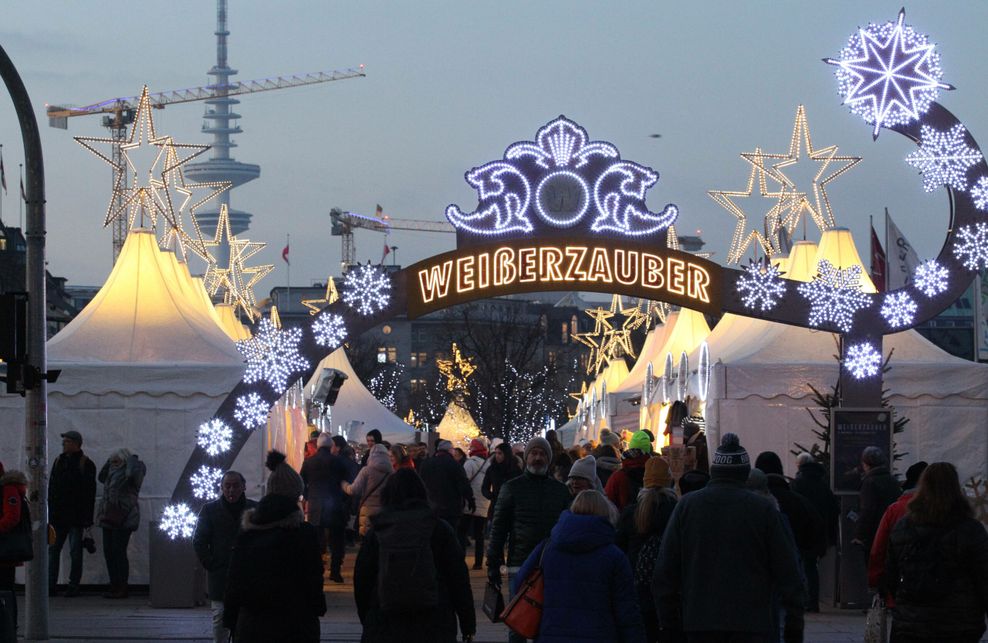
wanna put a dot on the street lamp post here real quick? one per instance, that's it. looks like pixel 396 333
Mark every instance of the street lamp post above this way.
pixel 36 396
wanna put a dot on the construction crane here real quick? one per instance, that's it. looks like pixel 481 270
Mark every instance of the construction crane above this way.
pixel 118 114
pixel 344 222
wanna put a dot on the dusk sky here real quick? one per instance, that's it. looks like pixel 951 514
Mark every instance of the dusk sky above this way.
pixel 451 84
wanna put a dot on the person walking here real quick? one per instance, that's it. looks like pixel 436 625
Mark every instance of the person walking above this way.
pixel 623 485
pixel 14 523
pixel 448 487
pixel 724 554
pixel 473 523
pixel 583 476
pixel 368 484
pixel 274 587
pixel 585 578
pixel 892 515
pixel 503 468
pixel 527 508
pixel 373 438
pixel 878 490
pixel 119 515
pixel 410 582
pixel 937 565
pixel 216 531
pixel 811 483
pixel 71 501
pixel 608 461
pixel 323 475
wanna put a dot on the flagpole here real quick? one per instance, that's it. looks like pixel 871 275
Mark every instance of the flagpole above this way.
pixel 887 251
pixel 20 199
pixel 1 196
pixel 288 244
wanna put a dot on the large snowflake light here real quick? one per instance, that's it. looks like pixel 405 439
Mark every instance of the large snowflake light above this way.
pixel 329 330
pixel 862 360
pixel 931 278
pixel 214 437
pixel 178 521
pixel 273 355
pixel 971 246
pixel 366 289
pixel 251 411
pixel 888 74
pixel 944 158
pixel 899 309
pixel 835 295
pixel 979 193
pixel 206 482
pixel 761 286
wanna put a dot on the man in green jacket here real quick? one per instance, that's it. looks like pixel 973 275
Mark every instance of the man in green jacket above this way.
pixel 526 511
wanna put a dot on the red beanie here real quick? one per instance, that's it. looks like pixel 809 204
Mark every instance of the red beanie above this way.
pixel 477 447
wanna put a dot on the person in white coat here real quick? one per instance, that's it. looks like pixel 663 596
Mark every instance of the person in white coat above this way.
pixel 369 483
pixel 474 523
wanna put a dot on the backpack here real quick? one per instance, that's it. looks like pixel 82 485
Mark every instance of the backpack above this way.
pixel 407 578
pixel 925 572
pixel 645 565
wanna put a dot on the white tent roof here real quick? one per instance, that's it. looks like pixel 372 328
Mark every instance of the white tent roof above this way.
pixel 654 342
pixel 356 408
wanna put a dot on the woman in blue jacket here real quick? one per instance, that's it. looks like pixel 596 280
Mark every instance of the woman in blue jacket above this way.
pixel 589 588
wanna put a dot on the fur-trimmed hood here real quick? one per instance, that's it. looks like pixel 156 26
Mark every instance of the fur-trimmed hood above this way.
pixel 13 477
pixel 291 521
pixel 272 512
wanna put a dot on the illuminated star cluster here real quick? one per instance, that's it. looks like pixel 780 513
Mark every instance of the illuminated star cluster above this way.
pixel 251 411
pixel 214 437
pixel 835 295
pixel 206 482
pixel 862 360
pixel 178 521
pixel 610 340
pixel 329 330
pixel 273 355
pixel 979 193
pixel 367 289
pixel 899 309
pixel 456 371
pixel 931 278
pixel 761 286
pixel 888 74
pixel 944 158
pixel 971 246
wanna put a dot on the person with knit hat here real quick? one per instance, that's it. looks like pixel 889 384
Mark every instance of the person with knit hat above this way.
pixel 473 523
pixel 622 487
pixel 527 508
pixel 610 438
pixel 608 461
pixel 639 534
pixel 724 555
pixel 367 486
pixel 274 589
pixel 583 476
pixel 449 489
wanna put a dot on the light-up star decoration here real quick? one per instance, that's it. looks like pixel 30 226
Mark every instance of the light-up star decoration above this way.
pixel 611 340
pixel 559 181
pixel 235 279
pixel 835 295
pixel 456 371
pixel 888 74
pixel 944 158
pixel 331 297
pixel 273 355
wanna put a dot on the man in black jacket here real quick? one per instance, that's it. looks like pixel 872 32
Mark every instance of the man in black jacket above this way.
pixel 527 509
pixel 811 483
pixel 327 505
pixel 71 498
pixel 447 484
pixel 878 490
pixel 216 531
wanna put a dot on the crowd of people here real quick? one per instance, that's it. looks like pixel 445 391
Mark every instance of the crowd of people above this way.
pixel 627 551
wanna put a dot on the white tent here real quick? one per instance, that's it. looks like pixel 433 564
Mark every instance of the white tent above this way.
pixel 759 390
pixel 650 353
pixel 142 366
pixel 357 411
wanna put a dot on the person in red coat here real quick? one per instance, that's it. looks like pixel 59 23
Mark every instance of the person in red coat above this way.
pixel 14 488
pixel 623 485
pixel 879 547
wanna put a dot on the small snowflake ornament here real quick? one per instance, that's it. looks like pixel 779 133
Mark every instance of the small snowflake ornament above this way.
pixel 971 246
pixel 272 355
pixel 214 437
pixel 366 289
pixel 251 411
pixel 206 482
pixel 329 330
pixel 944 158
pixel 979 193
pixel 835 295
pixel 931 278
pixel 178 521
pixel 761 286
pixel 862 360
pixel 899 309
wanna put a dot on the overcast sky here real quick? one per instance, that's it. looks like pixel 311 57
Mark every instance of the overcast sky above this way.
pixel 450 84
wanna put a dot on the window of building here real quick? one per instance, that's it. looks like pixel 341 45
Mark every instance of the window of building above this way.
pixel 382 355
pixel 392 354
pixel 419 359
pixel 417 386
pixel 564 334
pixel 574 326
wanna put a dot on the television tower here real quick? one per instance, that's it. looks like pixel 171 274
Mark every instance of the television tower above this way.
pixel 221 166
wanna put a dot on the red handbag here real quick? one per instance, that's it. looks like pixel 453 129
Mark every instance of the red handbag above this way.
pixel 523 614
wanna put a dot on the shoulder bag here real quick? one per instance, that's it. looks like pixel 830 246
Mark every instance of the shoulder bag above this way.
pixel 493 602
pixel 523 615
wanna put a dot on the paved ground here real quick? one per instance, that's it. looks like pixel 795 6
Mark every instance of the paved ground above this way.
pixel 92 618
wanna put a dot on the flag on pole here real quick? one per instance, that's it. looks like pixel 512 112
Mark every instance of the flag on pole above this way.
pixel 379 211
pixel 879 262
pixel 3 174
pixel 23 194
pixel 387 251
pixel 284 254
pixel 902 259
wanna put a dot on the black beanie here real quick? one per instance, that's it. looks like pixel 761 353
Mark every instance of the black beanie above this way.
pixel 730 460
pixel 769 462
pixel 912 475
